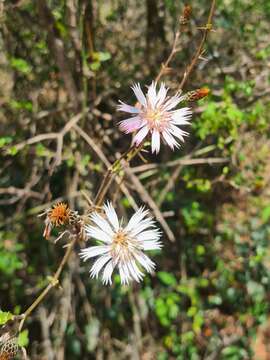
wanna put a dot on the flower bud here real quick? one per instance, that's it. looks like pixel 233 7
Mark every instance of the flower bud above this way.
pixel 197 94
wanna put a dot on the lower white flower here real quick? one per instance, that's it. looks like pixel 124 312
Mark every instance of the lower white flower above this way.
pixel 123 247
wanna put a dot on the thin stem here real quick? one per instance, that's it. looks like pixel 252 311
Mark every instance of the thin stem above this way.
pixel 113 170
pixel 206 30
pixel 53 282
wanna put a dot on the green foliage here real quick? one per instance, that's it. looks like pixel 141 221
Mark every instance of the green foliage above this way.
pixel 23 339
pixel 5 317
pixel 213 282
pixel 20 65
pixel 9 255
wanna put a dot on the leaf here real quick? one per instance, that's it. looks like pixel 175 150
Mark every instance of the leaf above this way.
pixel 20 65
pixel 266 213
pixel 167 278
pixel 5 317
pixel 23 339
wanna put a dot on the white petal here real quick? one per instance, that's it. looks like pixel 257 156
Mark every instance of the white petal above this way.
pixel 161 96
pixel 127 108
pixel 98 265
pixel 138 138
pixel 152 94
pixel 144 260
pixel 155 141
pixel 107 273
pixel 144 224
pixel 175 131
pixel 136 274
pixel 111 215
pixel 153 234
pixel 172 102
pixel 93 251
pixel 124 276
pixel 151 245
pixel 101 223
pixel 170 140
pixel 131 124
pixel 181 116
pixel 98 234
pixel 136 218
pixel 139 94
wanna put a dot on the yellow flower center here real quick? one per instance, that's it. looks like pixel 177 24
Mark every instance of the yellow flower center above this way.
pixel 120 238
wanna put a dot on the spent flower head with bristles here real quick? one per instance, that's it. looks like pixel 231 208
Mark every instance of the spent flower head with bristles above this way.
pixel 9 349
pixel 57 215
pixel 155 116
pixel 122 246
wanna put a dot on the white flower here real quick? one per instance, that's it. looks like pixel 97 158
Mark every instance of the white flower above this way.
pixel 122 247
pixel 155 116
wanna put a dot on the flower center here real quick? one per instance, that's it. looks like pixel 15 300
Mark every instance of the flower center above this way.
pixel 156 118
pixel 120 238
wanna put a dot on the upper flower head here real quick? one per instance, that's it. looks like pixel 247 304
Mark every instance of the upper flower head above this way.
pixel 123 246
pixel 154 115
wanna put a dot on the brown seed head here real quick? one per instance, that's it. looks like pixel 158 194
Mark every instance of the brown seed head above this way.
pixel 185 17
pixel 59 214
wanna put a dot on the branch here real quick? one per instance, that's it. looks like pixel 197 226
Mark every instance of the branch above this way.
pixel 206 29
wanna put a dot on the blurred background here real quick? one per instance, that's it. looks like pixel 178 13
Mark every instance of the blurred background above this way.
pixel 209 298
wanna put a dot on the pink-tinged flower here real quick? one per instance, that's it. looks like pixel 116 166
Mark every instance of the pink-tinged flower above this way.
pixel 154 115
pixel 121 247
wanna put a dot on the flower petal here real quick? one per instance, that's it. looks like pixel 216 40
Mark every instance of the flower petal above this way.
pixel 139 94
pixel 172 102
pixel 101 223
pixel 144 224
pixel 111 215
pixel 98 265
pixel 144 260
pixel 141 134
pixel 136 218
pixel 127 108
pixel 162 93
pixel 96 233
pixel 181 116
pixel 131 124
pixel 107 273
pixel 175 131
pixel 135 272
pixel 93 251
pixel 155 141
pixel 152 234
pixel 152 94
pixel 170 140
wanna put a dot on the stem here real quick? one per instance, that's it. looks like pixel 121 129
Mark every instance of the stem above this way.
pixel 53 282
pixel 206 30
pixel 112 171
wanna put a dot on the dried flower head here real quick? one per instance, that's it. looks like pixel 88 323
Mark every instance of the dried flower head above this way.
pixel 155 116
pixel 60 214
pixel 185 17
pixel 122 246
pixel 9 349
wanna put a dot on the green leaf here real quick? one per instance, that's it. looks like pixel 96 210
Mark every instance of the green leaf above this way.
pixel 5 317
pixel 266 213
pixel 5 140
pixel 20 65
pixel 167 278
pixel 95 65
pixel 23 339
